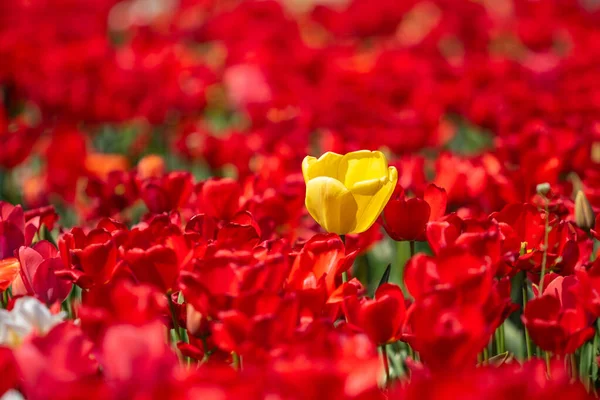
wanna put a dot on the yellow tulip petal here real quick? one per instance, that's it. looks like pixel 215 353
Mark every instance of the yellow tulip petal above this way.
pixel 331 204
pixel 360 166
pixel 370 207
pixel 326 165
pixel 368 188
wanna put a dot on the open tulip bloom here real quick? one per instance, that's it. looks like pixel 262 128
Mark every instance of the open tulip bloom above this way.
pixel 346 193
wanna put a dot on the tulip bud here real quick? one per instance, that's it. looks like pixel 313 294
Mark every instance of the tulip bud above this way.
pixel 584 215
pixel 194 321
pixel 543 188
pixel 575 182
pixel 595 153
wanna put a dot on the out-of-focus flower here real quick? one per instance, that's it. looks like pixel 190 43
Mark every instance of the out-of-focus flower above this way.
pixel 59 365
pixel 219 198
pixel 151 166
pixel 166 193
pixel 139 362
pixel 346 193
pixel 447 334
pixel 510 380
pixel 101 164
pixel 9 270
pixel 27 316
pixel 246 84
pixel 12 394
pixel 119 302
pixel 131 13
pixel 65 161
pixel 8 370
pixel 17 140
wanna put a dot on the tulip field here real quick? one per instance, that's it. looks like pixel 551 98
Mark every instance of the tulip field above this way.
pixel 299 199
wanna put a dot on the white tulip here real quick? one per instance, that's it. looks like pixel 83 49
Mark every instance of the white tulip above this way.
pixel 12 394
pixel 28 316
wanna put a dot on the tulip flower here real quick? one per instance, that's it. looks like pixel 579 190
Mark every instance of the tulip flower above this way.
pixel 346 193
pixel 9 270
pixel 556 320
pixel 28 316
pixel 36 275
pixel 380 318
pixel 406 219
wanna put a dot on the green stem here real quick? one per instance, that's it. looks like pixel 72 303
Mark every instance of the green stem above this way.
pixel 528 344
pixel 411 352
pixel 402 257
pixel 345 273
pixel 545 253
pixel 386 364
pixel 486 355
pixel 573 361
pixel 66 306
pixel 5 299
pixel 237 361
pixel 174 317
pixel 593 368
pixel 498 339
pixel 547 357
pixel 502 339
pixel 412 248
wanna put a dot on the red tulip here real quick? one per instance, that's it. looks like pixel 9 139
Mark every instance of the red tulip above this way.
pixel 447 334
pixel 18 228
pixel 455 270
pixel 65 159
pixel 320 262
pixel 381 318
pixel 59 365
pixel 137 361
pixel 407 219
pixel 16 141
pixel 37 276
pixel 9 374
pixel 219 198
pixel 90 259
pixel 510 380
pixel 556 320
pixel 167 193
pixel 12 230
pixel 119 302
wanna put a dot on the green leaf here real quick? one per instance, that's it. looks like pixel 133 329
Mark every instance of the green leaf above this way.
pixel 500 359
pixel 469 139
pixel 386 275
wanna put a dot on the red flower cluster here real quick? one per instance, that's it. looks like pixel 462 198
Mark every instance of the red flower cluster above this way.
pixel 154 239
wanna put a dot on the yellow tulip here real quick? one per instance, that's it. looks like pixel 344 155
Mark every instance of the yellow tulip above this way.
pixel 346 193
